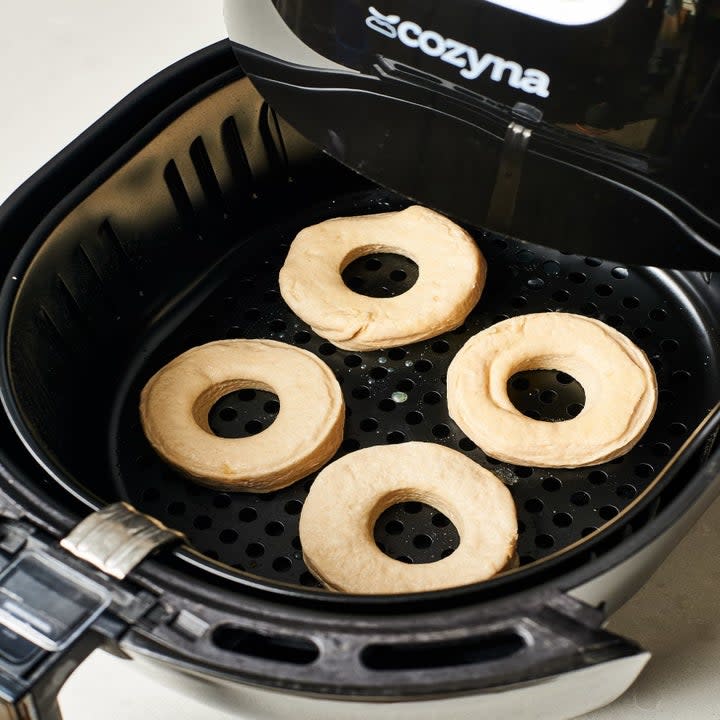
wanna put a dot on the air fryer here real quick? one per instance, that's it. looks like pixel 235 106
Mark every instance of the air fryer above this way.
pixel 164 227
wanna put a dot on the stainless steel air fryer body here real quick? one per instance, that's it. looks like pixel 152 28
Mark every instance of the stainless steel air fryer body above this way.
pixel 160 229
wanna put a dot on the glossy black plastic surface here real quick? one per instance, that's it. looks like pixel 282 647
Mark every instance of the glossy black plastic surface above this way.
pixel 623 153
pixel 646 61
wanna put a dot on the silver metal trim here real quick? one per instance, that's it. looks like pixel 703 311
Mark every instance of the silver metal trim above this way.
pixel 117 538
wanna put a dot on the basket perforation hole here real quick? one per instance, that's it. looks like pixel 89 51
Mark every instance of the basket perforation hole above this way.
pixel 282 564
pixel 307 580
pixel 545 541
pixel 274 528
pixel 552 267
pixel 580 498
pixel 627 492
pixel 381 275
pixel 630 302
pixel 247 515
pixel 414 532
pixel 255 550
pixel 396 437
pixel 551 484
pixel 678 429
pixel 202 522
pixel 362 392
pixel 387 405
pixel 406 385
pixel 534 505
pixel 369 424
pixel 608 512
pixel 590 310
pixel 525 257
pixel 228 536
pixel 222 500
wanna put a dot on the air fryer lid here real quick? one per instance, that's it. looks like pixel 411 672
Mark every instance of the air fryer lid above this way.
pixel 586 129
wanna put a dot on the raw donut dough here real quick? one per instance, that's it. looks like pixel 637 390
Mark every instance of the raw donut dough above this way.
pixel 619 382
pixel 348 496
pixel 307 432
pixel 451 278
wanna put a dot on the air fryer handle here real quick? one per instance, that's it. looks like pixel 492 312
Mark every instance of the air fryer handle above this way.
pixel 57 605
pixel 51 618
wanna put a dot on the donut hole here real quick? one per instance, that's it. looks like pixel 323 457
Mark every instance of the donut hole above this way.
pixel 546 395
pixel 415 532
pixel 380 275
pixel 240 413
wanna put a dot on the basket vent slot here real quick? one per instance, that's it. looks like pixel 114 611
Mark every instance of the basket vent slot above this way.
pixel 272 141
pixel 418 656
pixel 237 159
pixel 279 648
pixel 207 177
pixel 179 193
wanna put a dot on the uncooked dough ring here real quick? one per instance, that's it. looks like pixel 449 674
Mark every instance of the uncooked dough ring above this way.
pixel 307 432
pixel 348 496
pixel 451 278
pixel 619 382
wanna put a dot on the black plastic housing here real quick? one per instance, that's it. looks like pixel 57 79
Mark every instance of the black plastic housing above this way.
pixel 211 619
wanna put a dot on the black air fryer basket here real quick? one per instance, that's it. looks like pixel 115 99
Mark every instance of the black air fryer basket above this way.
pixel 164 227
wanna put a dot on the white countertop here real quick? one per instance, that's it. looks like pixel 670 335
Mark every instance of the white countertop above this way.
pixel 65 62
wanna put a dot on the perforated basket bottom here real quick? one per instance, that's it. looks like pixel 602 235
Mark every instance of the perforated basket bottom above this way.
pixel 399 395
